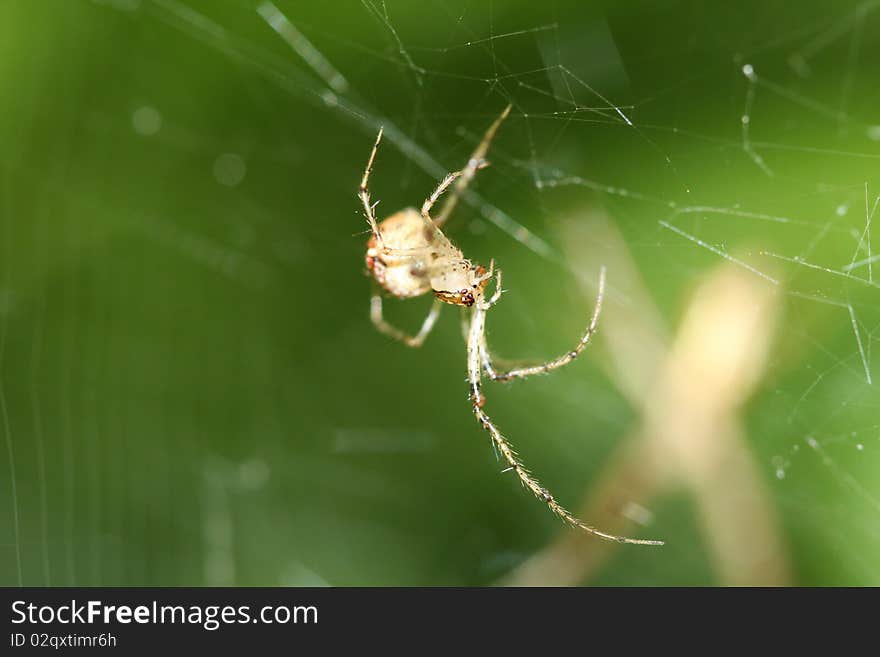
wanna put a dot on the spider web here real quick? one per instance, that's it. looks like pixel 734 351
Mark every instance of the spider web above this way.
pixel 189 391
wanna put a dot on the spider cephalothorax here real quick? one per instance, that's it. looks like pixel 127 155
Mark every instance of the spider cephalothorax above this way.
pixel 461 284
pixel 408 256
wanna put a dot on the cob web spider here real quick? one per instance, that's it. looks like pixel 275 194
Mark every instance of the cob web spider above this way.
pixel 408 256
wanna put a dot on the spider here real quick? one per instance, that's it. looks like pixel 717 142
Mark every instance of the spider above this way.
pixel 408 255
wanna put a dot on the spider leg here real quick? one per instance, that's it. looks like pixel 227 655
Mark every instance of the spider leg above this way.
pixel 402 253
pixel 475 163
pixel 432 199
pixel 392 331
pixel 498 291
pixel 370 208
pixel 550 365
pixel 437 193
pixel 476 338
pixel 364 193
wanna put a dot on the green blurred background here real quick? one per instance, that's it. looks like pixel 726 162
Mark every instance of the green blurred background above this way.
pixel 192 392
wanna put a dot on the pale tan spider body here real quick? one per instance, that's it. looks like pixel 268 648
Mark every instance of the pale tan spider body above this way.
pixel 408 256
pixel 403 276
pixel 414 259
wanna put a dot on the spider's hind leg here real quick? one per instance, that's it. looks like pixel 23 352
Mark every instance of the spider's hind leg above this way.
pixel 364 193
pixel 378 319
pixel 476 162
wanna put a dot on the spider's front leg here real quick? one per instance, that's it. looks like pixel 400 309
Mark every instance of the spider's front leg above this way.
pixel 498 290
pixel 565 359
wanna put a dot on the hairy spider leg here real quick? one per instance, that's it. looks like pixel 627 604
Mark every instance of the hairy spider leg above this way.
pixel 476 338
pixel 401 336
pixel 476 162
pixel 364 193
pixel 550 365
pixel 432 199
pixel 498 291
pixel 370 208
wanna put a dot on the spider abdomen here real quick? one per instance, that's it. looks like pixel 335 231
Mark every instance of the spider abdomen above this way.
pixel 401 267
